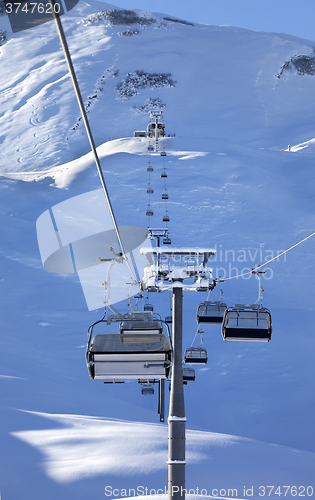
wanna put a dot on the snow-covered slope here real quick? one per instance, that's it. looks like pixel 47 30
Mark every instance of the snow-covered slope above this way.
pixel 235 106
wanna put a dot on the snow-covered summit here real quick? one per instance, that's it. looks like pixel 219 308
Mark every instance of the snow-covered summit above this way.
pixel 224 76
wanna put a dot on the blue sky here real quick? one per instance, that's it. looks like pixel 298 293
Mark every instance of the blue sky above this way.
pixel 282 16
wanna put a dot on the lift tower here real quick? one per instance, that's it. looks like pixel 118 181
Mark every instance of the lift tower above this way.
pixel 178 270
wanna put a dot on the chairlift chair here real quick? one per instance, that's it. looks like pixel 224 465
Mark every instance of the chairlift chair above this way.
pixel 247 322
pixel 167 241
pixel 138 326
pixel 149 212
pixel 165 218
pixel 189 374
pixel 196 355
pixel 211 313
pixel 168 319
pixel 164 196
pixel 161 129
pixel 149 168
pixel 148 307
pixel 129 356
pixel 151 130
pixel 147 390
pixel 150 190
pixel 164 174
pixel 163 153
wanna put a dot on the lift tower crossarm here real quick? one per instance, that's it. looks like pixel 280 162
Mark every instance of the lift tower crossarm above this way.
pixel 180 250
pixel 175 265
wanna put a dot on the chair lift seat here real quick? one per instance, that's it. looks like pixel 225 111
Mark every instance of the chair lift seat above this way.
pixel 247 322
pixel 196 355
pixel 147 390
pixel 189 374
pixel 167 241
pixel 141 326
pixel 129 356
pixel 211 312
pixel 148 307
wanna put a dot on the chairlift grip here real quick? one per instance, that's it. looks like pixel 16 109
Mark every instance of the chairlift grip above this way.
pixel 168 332
pixel 90 330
